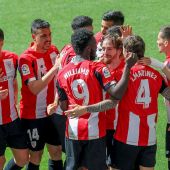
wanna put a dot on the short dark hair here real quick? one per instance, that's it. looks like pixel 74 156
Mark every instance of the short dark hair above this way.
pixel 39 24
pixel 80 39
pixel 81 21
pixel 165 30
pixel 114 30
pixel 116 17
pixel 135 44
pixel 1 34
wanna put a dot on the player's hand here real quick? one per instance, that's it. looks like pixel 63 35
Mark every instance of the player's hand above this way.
pixel 3 93
pixel 131 59
pixel 126 30
pixel 76 111
pixel 145 61
pixel 57 64
pixel 51 108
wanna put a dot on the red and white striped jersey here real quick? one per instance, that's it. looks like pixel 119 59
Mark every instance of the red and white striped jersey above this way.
pixel 98 37
pixel 66 54
pixel 82 84
pixel 139 107
pixel 112 114
pixel 34 66
pixel 8 64
pixel 99 51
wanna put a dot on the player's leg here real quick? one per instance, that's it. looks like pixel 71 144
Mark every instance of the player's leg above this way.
pixel 2 162
pixel 35 158
pixel 53 145
pixel 146 168
pixel 74 155
pixel 19 161
pixel 17 141
pixel 55 153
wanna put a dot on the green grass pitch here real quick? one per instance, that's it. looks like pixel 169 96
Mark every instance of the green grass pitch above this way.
pixel 145 16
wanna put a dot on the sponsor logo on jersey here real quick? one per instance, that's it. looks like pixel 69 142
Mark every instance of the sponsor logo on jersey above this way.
pixel 25 69
pixel 106 72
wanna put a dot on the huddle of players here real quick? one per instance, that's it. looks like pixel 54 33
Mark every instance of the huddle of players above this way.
pixel 130 91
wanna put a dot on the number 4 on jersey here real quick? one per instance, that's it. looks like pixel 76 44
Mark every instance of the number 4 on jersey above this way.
pixel 143 94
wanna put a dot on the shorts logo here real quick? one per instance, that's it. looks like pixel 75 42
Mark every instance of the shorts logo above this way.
pixel 33 144
pixel 25 69
pixel 106 72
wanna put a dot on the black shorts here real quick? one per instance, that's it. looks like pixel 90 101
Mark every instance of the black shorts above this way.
pixel 89 153
pixel 13 136
pixel 59 122
pixel 109 146
pixel 128 156
pixel 39 132
pixel 167 140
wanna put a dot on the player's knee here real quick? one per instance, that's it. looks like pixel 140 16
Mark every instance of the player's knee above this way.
pixel 35 157
pixel 56 153
pixel 2 162
pixel 22 160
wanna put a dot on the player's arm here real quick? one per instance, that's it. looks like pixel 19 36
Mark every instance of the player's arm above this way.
pixel 62 97
pixel 51 108
pixel 36 86
pixel 117 91
pixel 77 110
pixel 165 92
pixel 157 64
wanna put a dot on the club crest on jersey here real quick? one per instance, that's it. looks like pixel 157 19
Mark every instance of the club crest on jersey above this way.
pixel 25 69
pixel 106 72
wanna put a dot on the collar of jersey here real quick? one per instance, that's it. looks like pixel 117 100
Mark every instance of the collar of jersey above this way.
pixel 77 59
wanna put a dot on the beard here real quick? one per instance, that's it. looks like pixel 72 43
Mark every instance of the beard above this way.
pixel 107 60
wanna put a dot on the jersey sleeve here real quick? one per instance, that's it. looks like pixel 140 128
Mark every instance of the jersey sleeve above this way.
pixel 104 76
pixel 66 54
pixel 61 93
pixel 98 37
pixel 15 59
pixel 26 68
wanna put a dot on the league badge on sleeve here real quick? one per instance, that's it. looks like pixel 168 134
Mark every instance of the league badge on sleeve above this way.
pixel 106 72
pixel 25 69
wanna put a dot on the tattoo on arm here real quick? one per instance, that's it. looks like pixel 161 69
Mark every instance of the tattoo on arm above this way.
pixel 102 106
pixel 166 93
